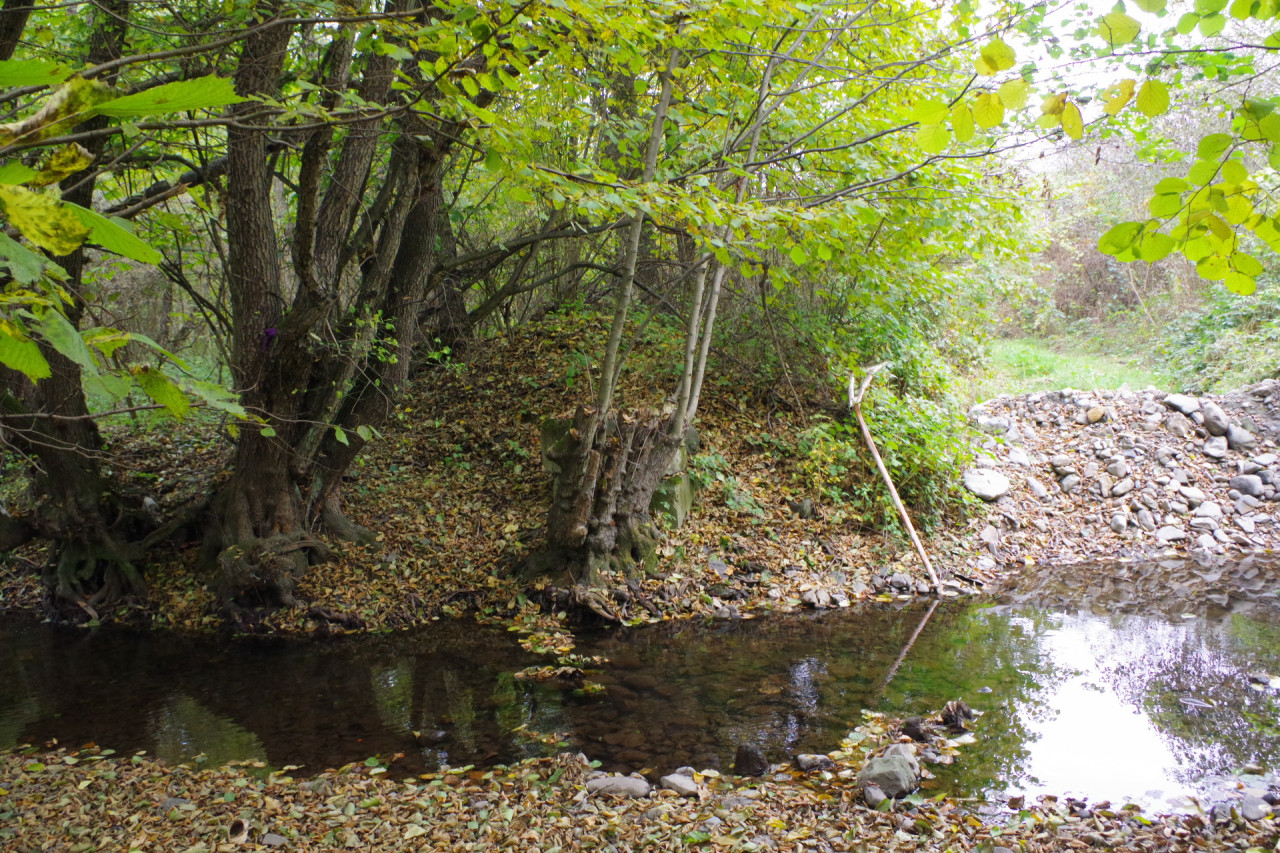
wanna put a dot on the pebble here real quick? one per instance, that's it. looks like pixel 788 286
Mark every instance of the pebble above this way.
pixel 1215 420
pixel 1216 447
pixel 1070 483
pixel 1171 534
pixel 1239 438
pixel 681 784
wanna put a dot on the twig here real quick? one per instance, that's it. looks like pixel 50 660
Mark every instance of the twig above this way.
pixel 855 403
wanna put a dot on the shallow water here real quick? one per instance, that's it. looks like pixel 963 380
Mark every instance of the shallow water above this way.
pixel 1143 708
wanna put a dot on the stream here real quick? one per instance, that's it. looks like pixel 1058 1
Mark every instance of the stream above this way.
pixel 1145 707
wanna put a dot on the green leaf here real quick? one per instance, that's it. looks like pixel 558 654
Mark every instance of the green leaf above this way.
pixel 1187 23
pixel 199 94
pixel 1153 98
pixel 114 235
pixel 1213 146
pixel 930 111
pixel 798 255
pixel 962 122
pixel 32 72
pixel 1234 172
pixel 1072 123
pixel 1202 172
pixel 988 112
pixel 1155 246
pixel 1119 238
pixel 1152 6
pixel 20 353
pixel 1118 28
pixel 1013 94
pixel 340 436
pixel 25 265
pixel 1212 25
pixel 214 396
pixel 62 336
pixel 1240 283
pixel 43 219
pixel 1172 185
pixel 365 432
pixel 14 172
pixel 1209 7
pixel 1269 125
pixel 933 138
pixel 520 194
pixel 1246 264
pixel 1165 205
pixel 268 432
pixel 160 388
pixel 1242 9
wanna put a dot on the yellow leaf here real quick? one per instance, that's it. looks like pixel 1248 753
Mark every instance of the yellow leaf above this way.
pixel 42 219
pixel 1118 95
pixel 988 111
pixel 1072 123
pixel 996 56
pixel 1118 28
pixel 1053 104
pixel 1013 94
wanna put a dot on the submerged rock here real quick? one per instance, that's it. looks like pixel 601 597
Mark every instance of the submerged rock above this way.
pixel 750 761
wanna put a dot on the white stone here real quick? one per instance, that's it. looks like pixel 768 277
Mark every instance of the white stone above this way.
pixel 986 484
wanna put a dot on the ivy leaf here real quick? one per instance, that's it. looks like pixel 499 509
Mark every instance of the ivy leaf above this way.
pixel 160 388
pixel 42 219
pixel 1072 122
pixel 1153 98
pixel 988 112
pixel 202 93
pixel 1118 28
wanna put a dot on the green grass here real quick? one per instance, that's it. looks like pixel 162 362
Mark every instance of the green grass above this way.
pixel 1024 365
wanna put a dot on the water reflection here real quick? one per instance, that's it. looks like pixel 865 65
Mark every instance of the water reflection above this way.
pixel 1111 707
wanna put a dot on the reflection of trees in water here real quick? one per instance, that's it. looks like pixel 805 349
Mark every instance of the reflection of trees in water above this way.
pixel 1158 664
pixel 182 728
pixel 984 647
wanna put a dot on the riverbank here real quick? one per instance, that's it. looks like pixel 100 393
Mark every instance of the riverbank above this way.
pixel 457 495
pixel 87 799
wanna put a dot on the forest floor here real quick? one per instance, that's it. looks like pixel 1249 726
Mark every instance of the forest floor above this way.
pixel 456 491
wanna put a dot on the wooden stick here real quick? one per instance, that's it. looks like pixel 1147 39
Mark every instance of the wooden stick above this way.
pixel 855 403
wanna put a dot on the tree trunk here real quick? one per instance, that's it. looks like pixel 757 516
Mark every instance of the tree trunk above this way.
pixel 607 470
